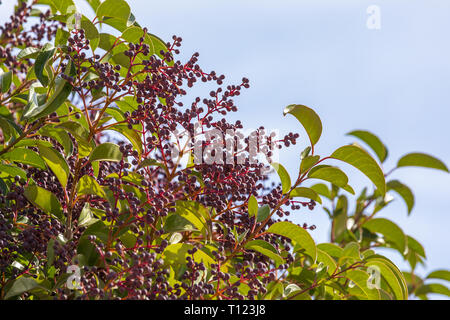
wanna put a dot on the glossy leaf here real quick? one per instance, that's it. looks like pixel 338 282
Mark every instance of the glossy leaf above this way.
pixel 306 193
pixel 372 141
pixel 42 59
pixel 421 160
pixel 361 160
pixel 91 32
pixel 297 234
pixel 106 152
pixel 252 206
pixel 360 279
pixel 88 185
pixel 81 134
pixel 389 230
pixel 266 249
pixel 28 53
pixel 332 249
pixel 56 163
pixel 390 273
pixel 439 274
pixel 59 135
pixel 12 171
pixel 177 223
pixel 404 191
pixel 327 260
pixel 308 162
pixel 414 245
pixel 131 135
pixel 328 173
pixel 308 118
pixel 322 190
pixel 25 156
pixel 114 8
pixel 61 93
pixel 263 213
pixel 86 216
pixel 44 199
pixel 20 286
pixel 436 288
pixel 5 81
pixel 284 176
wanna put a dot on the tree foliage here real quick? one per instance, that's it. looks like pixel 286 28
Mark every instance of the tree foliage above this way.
pixel 89 182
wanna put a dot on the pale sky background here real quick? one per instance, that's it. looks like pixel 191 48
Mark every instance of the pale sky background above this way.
pixel 394 82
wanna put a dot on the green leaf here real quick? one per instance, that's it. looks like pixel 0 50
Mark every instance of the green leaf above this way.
pixel 62 92
pixel 33 143
pixel 76 129
pixel 86 216
pixel 332 249
pixel 305 153
pixel 5 81
pixel 340 216
pixel 56 163
pixel 361 160
pixel 252 206
pixel 44 199
pixel 404 192
pixel 308 162
pixel 284 176
pixel 106 152
pixel 61 37
pixel 81 135
pixel 44 56
pixel 439 274
pixel 175 254
pixel 28 53
pixel 432 288
pixel 12 171
pixel 306 193
pixel 88 185
pixel 25 156
pixel 263 213
pixel 131 135
pixel 328 173
pixel 8 129
pixel 113 8
pixel 177 223
pixel 64 6
pixel 421 160
pixel 308 118
pixel 372 141
pixel 297 234
pixel 390 273
pixel 349 189
pixel 59 135
pixel 91 32
pixel 21 285
pixel 389 230
pixel 322 189
pixel 327 260
pixel 266 249
pixel 94 4
pixel 414 245
pixel 351 250
pixel 195 213
pixel 134 33
pixel 360 279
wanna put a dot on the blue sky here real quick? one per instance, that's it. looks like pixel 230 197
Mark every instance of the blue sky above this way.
pixel 394 82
